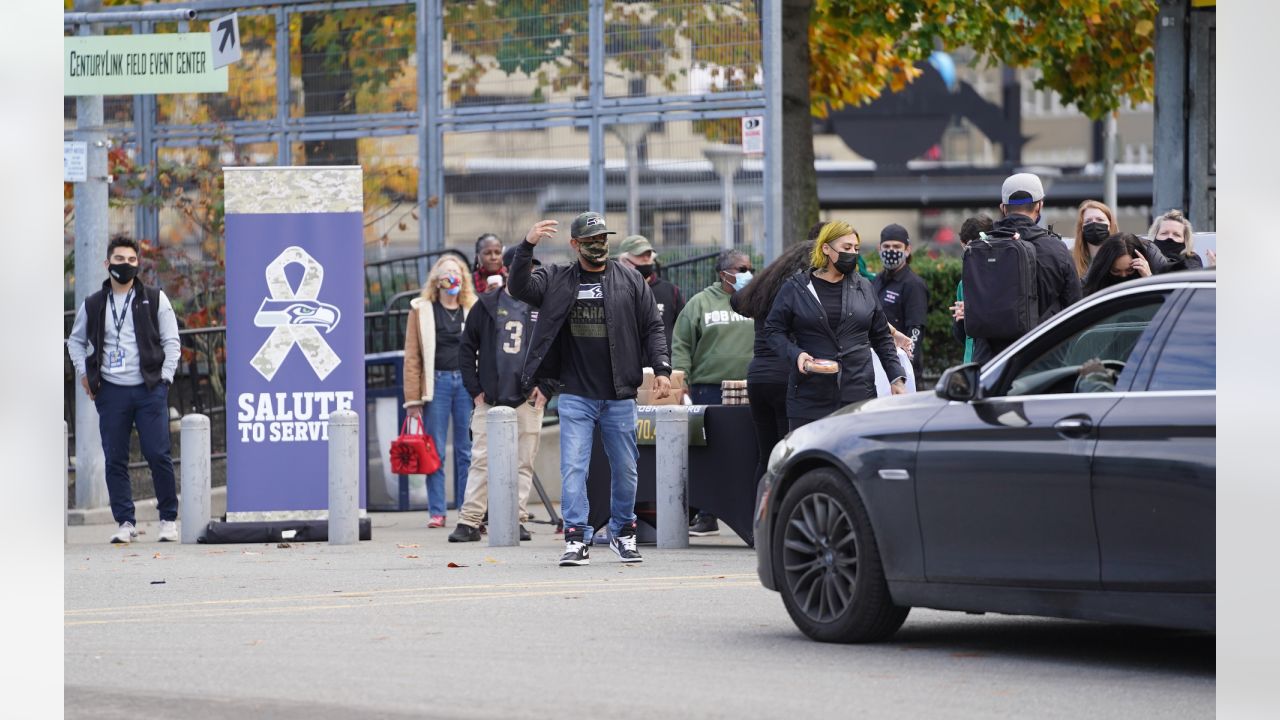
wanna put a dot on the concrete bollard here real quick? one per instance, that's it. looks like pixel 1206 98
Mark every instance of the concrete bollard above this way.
pixel 504 499
pixel 344 477
pixel 672 482
pixel 197 477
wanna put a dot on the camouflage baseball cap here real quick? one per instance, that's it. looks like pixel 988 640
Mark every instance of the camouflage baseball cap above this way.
pixel 635 245
pixel 589 224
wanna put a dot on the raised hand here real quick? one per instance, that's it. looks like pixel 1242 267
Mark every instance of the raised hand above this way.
pixel 541 229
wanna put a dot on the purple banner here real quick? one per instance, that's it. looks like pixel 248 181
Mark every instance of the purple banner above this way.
pixel 295 353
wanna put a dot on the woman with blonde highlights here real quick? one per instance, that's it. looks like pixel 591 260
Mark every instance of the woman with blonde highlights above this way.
pixel 824 320
pixel 432 375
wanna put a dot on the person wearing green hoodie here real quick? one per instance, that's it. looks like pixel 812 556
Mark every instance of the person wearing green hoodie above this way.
pixel 712 343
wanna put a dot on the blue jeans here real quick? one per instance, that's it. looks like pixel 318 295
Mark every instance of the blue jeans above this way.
pixel 449 401
pixel 579 417
pixel 120 408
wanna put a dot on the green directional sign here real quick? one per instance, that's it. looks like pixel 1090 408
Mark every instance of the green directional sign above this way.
pixel 140 65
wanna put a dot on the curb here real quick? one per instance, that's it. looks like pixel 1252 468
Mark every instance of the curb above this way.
pixel 144 510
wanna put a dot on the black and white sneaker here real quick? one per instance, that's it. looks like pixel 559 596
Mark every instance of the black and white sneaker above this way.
pixel 624 544
pixel 576 552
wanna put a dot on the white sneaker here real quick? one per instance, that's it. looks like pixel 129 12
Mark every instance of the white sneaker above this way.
pixel 168 531
pixel 125 534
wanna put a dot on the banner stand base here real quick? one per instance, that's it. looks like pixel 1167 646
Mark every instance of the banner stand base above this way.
pixel 274 531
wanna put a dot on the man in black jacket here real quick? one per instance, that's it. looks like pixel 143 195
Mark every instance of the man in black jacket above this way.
pixel 491 359
pixel 902 293
pixel 1057 285
pixel 638 252
pixel 597 322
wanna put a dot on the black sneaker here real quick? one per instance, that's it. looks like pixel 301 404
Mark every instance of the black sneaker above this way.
pixel 624 544
pixel 704 525
pixel 525 535
pixel 576 552
pixel 464 533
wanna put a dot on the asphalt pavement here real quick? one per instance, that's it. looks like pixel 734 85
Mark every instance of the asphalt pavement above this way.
pixel 390 628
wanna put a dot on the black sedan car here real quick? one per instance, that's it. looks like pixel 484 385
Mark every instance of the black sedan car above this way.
pixel 1073 476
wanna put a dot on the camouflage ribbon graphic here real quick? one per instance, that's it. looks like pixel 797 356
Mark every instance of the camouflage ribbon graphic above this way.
pixel 295 317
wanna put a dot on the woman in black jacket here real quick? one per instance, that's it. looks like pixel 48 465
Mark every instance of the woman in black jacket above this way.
pixel 1119 258
pixel 829 312
pixel 1171 234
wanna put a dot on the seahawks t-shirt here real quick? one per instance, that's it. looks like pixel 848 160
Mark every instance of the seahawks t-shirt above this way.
pixel 588 371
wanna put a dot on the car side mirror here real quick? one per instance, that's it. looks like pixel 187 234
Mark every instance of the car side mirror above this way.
pixel 960 383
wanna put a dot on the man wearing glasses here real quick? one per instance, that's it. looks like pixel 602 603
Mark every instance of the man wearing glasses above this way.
pixel 125 348
pixel 712 343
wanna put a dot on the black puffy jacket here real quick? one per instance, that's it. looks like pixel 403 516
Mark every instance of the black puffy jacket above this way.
pixel 636 336
pixel 797 323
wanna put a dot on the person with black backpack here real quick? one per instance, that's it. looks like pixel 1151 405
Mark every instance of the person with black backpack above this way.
pixel 1018 275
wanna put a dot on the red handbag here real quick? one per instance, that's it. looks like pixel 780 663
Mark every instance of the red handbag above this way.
pixel 414 453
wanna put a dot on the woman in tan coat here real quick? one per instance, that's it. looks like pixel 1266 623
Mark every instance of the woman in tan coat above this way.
pixel 432 379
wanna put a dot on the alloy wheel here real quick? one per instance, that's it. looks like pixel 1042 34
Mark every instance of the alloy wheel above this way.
pixel 820 557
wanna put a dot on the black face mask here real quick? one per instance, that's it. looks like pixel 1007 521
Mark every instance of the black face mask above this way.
pixel 846 263
pixel 645 270
pixel 1170 248
pixel 122 273
pixel 1096 233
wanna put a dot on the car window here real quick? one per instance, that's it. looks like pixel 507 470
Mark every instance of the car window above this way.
pixel 1188 360
pixel 1088 353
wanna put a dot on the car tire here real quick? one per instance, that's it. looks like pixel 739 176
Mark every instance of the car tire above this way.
pixel 827 563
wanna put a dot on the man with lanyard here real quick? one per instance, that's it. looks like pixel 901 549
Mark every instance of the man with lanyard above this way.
pixel 598 326
pixel 126 360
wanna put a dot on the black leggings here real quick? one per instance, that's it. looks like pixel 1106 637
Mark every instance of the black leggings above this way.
pixel 769 413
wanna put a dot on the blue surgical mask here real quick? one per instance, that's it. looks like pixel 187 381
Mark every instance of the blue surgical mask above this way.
pixel 740 280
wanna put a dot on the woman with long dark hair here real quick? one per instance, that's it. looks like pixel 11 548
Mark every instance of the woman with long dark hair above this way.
pixel 823 321
pixel 1117 259
pixel 767 374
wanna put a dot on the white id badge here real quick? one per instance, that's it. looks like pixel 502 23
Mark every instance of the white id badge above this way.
pixel 115 359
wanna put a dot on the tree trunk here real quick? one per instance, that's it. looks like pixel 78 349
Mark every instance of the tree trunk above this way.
pixel 799 179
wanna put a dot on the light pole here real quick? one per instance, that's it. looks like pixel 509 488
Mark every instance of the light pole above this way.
pixel 725 159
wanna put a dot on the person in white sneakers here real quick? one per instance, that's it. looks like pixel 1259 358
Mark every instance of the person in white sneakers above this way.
pixel 125 348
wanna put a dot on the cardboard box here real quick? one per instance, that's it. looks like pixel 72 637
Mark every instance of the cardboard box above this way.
pixel 645 394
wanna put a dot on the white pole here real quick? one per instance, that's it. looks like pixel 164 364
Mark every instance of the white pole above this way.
pixel 197 477
pixel 344 477
pixel 504 502
pixel 1109 165
pixel 672 452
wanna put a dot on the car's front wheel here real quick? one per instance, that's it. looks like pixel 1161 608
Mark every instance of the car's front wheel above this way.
pixel 828 564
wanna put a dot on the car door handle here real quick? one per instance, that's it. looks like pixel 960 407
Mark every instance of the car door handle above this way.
pixel 1074 426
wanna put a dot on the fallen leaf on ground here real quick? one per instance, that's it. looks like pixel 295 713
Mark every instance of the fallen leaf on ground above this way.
pixel 455 565
pixel 156 556
pixel 253 642
pixel 412 557
pixel 405 546
pixel 283 545
pixel 157 582
pixel 490 560
pixel 250 552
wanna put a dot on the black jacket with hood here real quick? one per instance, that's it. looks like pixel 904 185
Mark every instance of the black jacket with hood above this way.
pixel 798 323
pixel 636 337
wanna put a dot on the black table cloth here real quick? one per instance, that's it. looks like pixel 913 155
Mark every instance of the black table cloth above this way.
pixel 721 473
